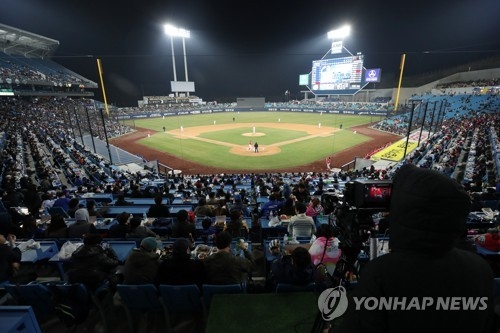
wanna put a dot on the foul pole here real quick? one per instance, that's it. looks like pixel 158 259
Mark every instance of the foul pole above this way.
pixel 403 57
pixel 99 67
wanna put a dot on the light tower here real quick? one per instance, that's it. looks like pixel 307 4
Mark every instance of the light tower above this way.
pixel 183 33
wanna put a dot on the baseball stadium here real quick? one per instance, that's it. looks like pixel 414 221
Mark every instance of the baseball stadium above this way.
pixel 131 207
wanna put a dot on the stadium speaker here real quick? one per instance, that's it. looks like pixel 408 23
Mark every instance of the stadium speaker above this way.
pixel 329 201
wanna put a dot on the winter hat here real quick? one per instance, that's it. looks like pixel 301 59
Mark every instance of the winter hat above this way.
pixel 149 244
pixel 275 246
pixel 428 210
pixel 82 214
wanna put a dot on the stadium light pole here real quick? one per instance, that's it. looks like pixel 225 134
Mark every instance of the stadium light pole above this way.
pixel 177 32
pixel 338 35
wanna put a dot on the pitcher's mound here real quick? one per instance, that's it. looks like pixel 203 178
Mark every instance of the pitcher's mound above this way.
pixel 263 150
pixel 254 134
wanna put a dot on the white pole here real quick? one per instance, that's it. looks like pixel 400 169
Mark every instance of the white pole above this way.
pixel 173 59
pixel 185 60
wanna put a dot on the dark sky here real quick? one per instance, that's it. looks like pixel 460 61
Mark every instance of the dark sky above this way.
pixel 242 48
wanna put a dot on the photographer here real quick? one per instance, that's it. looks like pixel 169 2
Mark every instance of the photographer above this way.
pixel 428 211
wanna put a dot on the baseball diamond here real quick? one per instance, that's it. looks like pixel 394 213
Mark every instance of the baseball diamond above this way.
pixel 283 146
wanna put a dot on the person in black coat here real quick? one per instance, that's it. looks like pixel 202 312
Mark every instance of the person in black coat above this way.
pixel 93 265
pixel 10 255
pixel 296 269
pixel 428 212
pixel 182 227
pixel 122 228
pixel 179 268
pixel 158 209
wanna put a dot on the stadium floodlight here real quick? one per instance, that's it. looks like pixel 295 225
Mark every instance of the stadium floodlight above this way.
pixel 339 33
pixel 177 32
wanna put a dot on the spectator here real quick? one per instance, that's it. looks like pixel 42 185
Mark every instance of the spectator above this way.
pixel 428 213
pixel 13 198
pixel 182 227
pixel 325 253
pixel 209 230
pixel 32 200
pixel 179 268
pixel 120 201
pixel 10 255
pixel 224 267
pixel 47 200
pixel 158 209
pixel 203 209
pixel 314 209
pixel 296 269
pixel 91 209
pixel 300 193
pixel 30 229
pixel 57 227
pixel 212 200
pixel 142 263
pixel 288 207
pixel 236 227
pixel 273 206
pixel 239 205
pixel 300 224
pixel 319 190
pixel 82 225
pixel 122 228
pixel 73 205
pixel 221 208
pixel 92 265
pixel 46 184
pixel 62 201
pixel 139 231
pixel 5 217
pixel 277 193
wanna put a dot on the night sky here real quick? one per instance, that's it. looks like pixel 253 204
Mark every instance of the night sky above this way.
pixel 257 48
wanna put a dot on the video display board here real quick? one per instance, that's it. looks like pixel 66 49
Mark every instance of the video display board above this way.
pixel 342 76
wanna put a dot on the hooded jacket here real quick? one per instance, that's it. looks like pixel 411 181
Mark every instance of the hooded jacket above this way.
pixel 141 267
pixel 91 265
pixel 427 216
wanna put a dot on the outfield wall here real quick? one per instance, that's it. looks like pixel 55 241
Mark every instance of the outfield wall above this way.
pixel 159 114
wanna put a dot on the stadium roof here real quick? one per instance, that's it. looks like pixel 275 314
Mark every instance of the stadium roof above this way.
pixel 17 41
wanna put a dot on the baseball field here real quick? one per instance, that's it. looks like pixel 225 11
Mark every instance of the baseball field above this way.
pixel 224 142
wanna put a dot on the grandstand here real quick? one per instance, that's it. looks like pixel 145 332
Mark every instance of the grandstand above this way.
pixel 27 69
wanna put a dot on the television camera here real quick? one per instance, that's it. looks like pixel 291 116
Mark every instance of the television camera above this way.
pixel 353 212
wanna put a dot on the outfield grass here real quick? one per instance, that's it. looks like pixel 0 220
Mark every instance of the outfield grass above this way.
pixel 292 154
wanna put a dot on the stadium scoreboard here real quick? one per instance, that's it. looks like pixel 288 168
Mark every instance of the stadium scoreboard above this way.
pixel 337 75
